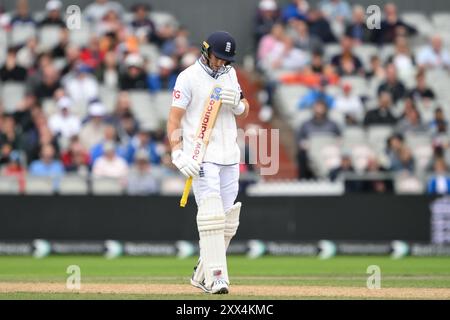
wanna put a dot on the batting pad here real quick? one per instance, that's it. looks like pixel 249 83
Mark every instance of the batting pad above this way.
pixel 211 226
pixel 231 222
pixel 231 226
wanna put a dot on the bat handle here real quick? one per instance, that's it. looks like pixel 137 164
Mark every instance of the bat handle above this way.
pixel 187 188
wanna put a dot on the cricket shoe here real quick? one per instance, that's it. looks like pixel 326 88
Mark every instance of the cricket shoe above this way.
pixel 219 286
pixel 199 284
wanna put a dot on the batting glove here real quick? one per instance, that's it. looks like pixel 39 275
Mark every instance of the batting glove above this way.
pixel 233 99
pixel 188 166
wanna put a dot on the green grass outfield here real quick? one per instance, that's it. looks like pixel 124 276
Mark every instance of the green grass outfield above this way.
pixel 291 272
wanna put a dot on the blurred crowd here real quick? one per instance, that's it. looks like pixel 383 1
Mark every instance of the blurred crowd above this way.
pixel 71 99
pixel 52 120
pixel 381 93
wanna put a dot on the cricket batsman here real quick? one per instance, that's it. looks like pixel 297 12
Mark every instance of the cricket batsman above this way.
pixel 209 82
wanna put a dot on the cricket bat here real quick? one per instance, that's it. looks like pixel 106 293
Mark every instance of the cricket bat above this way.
pixel 205 128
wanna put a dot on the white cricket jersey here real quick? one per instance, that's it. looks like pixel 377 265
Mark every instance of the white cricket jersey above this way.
pixel 192 89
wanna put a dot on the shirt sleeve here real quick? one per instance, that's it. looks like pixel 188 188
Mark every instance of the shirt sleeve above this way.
pixel 181 92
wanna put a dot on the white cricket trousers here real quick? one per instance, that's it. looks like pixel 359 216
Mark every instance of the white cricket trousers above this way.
pixel 217 179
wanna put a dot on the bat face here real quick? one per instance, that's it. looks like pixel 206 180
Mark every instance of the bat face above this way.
pixel 207 121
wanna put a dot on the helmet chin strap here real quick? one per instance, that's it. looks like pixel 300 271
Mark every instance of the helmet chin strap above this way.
pixel 205 62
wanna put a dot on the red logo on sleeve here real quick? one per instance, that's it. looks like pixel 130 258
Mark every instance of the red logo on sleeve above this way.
pixel 176 94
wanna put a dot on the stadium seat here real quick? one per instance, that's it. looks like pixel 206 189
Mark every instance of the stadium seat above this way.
pixel 288 97
pixel 3 46
pixel 300 117
pixel 12 93
pixel 35 185
pixel 295 188
pixel 49 37
pixel 386 52
pixel 352 136
pixel 73 185
pixel 337 117
pixel 9 185
pixel 160 19
pixel 364 52
pixel 150 53
pixel 143 107
pixel 173 186
pixel 420 21
pixel 359 85
pixel 377 137
pixel 106 186
pixel 324 153
pixel 408 184
pixel 360 155
pixel 108 96
pixel 21 33
pixel 331 50
pixel 80 37
pixel 441 20
pixel 421 148
pixel 162 101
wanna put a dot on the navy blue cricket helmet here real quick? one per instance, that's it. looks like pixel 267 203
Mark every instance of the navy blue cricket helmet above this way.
pixel 221 44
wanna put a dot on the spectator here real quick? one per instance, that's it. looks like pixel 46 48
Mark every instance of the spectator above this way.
pixel 346 167
pixel 50 82
pixel 319 124
pixel 434 55
pixel 439 183
pixel 382 115
pixel 108 72
pixel 81 86
pixel 142 26
pixel 411 123
pixel 392 27
pixel 11 71
pixel 92 131
pixel 269 41
pixel 267 15
pixel 47 165
pixel 28 54
pixel 377 185
pixel 357 29
pixel 91 55
pixel 141 180
pixel 110 135
pixel 9 133
pixel 5 154
pixel 59 51
pixel 64 124
pixel 14 168
pixel 76 159
pixel 297 9
pixel 346 63
pixel 143 141
pixel 320 27
pixel 123 119
pixel 284 56
pixel 134 77
pixel 302 38
pixel 400 157
pixel 94 12
pixel 110 165
pixel 53 17
pixel 439 124
pixel 422 93
pixel 22 16
pixel 392 84
pixel 317 94
pixel 72 57
pixel 337 12
pixel 166 76
pixel 376 69
pixel 402 59
pixel 349 105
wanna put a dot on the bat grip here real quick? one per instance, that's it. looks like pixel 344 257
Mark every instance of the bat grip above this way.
pixel 187 188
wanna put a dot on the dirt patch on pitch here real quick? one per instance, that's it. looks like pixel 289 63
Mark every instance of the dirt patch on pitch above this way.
pixel 235 290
